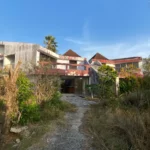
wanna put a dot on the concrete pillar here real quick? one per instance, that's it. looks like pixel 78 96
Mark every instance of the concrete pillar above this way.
pixel 37 57
pixel 83 86
pixel 90 80
pixel 117 86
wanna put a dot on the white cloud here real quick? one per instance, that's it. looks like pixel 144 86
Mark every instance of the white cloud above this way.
pixel 75 41
pixel 87 48
pixel 116 50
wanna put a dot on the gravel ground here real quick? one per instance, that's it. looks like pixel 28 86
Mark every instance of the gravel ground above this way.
pixel 69 137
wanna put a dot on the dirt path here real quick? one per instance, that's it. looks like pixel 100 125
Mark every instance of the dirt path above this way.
pixel 70 137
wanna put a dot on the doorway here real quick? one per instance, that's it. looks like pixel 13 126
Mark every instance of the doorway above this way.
pixel 68 86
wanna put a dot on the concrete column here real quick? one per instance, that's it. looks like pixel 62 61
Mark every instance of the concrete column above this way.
pixel 117 86
pixel 83 86
pixel 37 57
pixel 89 80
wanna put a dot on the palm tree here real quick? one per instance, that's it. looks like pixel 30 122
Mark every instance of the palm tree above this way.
pixel 50 43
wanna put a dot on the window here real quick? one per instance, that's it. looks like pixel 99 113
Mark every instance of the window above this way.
pixel 44 57
pixel 73 62
pixel 47 58
pixel 129 64
pixel 118 67
pixel 123 65
pixel 10 60
pixel 136 64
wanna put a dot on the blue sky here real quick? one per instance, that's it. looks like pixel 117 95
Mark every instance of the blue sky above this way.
pixel 114 28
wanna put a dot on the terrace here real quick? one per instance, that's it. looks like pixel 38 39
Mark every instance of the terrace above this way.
pixel 68 69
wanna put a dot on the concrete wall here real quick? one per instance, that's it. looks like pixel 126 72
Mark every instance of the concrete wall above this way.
pixel 23 52
pixel 140 65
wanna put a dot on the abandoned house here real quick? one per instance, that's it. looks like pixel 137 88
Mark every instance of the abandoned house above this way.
pixel 74 70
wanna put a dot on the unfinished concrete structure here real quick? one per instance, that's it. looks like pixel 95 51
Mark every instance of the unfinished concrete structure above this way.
pixel 72 68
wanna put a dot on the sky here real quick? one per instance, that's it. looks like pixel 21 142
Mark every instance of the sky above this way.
pixel 114 28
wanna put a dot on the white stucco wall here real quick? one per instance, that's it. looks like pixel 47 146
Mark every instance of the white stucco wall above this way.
pixel 140 64
pixel 62 66
pixel 80 67
pixel 111 65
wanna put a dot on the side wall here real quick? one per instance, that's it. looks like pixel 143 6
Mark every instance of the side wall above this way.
pixel 21 51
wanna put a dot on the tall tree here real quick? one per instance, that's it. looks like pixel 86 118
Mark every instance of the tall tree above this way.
pixel 50 43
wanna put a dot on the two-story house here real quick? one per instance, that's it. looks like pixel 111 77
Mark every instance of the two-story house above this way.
pixel 72 68
pixel 98 59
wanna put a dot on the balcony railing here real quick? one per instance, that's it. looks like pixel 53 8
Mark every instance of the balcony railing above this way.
pixel 63 69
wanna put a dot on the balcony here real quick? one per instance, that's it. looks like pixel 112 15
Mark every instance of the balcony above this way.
pixel 62 69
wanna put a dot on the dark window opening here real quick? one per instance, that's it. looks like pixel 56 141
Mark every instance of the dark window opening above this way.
pixel 74 63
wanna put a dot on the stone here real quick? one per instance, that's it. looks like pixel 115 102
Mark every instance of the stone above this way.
pixel 18 129
pixel 17 141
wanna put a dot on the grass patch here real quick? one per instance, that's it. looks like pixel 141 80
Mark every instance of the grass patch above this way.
pixel 118 128
pixel 37 131
pixel 96 99
pixel 52 116
pixel 54 110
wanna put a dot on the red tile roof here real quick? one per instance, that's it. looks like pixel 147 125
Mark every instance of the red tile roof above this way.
pixel 71 53
pixel 140 58
pixel 99 56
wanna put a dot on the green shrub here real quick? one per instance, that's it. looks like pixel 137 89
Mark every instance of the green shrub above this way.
pixel 128 84
pixel 137 92
pixel 30 113
pixel 92 89
pixel 30 110
pixel 107 76
pixel 2 105
pixel 25 88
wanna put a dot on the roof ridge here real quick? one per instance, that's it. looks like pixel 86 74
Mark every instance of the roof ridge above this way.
pixel 70 52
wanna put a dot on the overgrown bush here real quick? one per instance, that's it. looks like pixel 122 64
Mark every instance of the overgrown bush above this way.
pixel 2 110
pixel 30 113
pixel 92 90
pixel 136 92
pixel 118 128
pixel 25 88
pixel 29 109
pixel 128 84
pixel 2 105
pixel 123 123
pixel 107 77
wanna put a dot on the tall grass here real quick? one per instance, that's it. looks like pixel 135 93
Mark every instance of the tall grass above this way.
pixel 121 124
